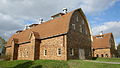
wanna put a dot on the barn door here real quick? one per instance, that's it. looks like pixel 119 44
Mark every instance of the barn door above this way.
pixel 81 54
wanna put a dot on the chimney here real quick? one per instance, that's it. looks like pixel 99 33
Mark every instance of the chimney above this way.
pixel 65 10
pixel 101 32
pixel 40 20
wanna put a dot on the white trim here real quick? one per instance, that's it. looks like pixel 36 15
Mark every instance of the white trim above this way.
pixel 73 26
pixel 77 19
pixel 45 52
pixel 81 29
pixel 58 52
pixel 71 52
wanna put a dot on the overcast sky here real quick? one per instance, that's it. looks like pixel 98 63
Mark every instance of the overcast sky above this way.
pixel 103 15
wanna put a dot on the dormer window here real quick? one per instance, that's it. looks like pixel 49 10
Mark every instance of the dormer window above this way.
pixel 33 25
pixel 99 36
pixel 19 31
pixel 57 15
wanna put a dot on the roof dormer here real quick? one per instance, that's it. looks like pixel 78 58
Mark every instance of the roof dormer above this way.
pixel 57 15
pixel 33 25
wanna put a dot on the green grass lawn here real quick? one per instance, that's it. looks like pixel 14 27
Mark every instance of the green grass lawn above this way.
pixel 107 59
pixel 55 64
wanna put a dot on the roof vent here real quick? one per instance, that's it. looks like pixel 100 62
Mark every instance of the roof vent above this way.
pixel 40 20
pixel 65 10
pixel 26 27
pixel 101 33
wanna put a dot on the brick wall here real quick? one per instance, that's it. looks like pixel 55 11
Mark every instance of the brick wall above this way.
pixel 79 39
pixel 25 52
pixel 100 52
pixel 51 46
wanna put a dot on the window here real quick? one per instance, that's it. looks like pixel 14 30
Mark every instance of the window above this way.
pixel 83 21
pixel 45 52
pixel 97 55
pixel 26 53
pixel 102 55
pixel 73 25
pixel 71 51
pixel 19 53
pixel 59 52
pixel 22 54
pixel 106 55
pixel 81 28
pixel 77 18
pixel 99 37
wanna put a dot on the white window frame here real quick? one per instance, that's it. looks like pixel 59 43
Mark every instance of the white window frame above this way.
pixel 45 52
pixel 26 53
pixel 81 30
pixel 77 18
pixel 59 51
pixel 73 26
pixel 71 52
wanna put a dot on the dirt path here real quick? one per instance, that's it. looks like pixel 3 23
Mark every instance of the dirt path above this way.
pixel 103 62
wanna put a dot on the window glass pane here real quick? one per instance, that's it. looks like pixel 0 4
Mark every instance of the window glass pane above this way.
pixel 81 28
pixel 73 26
pixel 45 52
pixel 77 18
pixel 71 51
pixel 59 51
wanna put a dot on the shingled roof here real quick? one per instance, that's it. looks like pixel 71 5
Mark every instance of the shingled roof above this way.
pixel 102 41
pixel 50 28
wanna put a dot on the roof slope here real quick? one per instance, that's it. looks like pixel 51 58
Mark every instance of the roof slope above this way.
pixel 50 28
pixel 102 41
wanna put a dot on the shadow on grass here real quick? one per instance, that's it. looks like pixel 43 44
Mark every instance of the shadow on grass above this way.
pixel 24 65
pixel 94 58
pixel 38 66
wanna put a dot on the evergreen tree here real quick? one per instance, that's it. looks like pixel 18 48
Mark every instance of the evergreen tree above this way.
pixel 2 45
pixel 118 49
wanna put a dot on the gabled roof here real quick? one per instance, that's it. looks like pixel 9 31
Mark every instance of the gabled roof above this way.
pixel 50 28
pixel 102 41
pixel 47 29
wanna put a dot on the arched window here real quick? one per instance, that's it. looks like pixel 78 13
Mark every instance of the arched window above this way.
pixel 102 55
